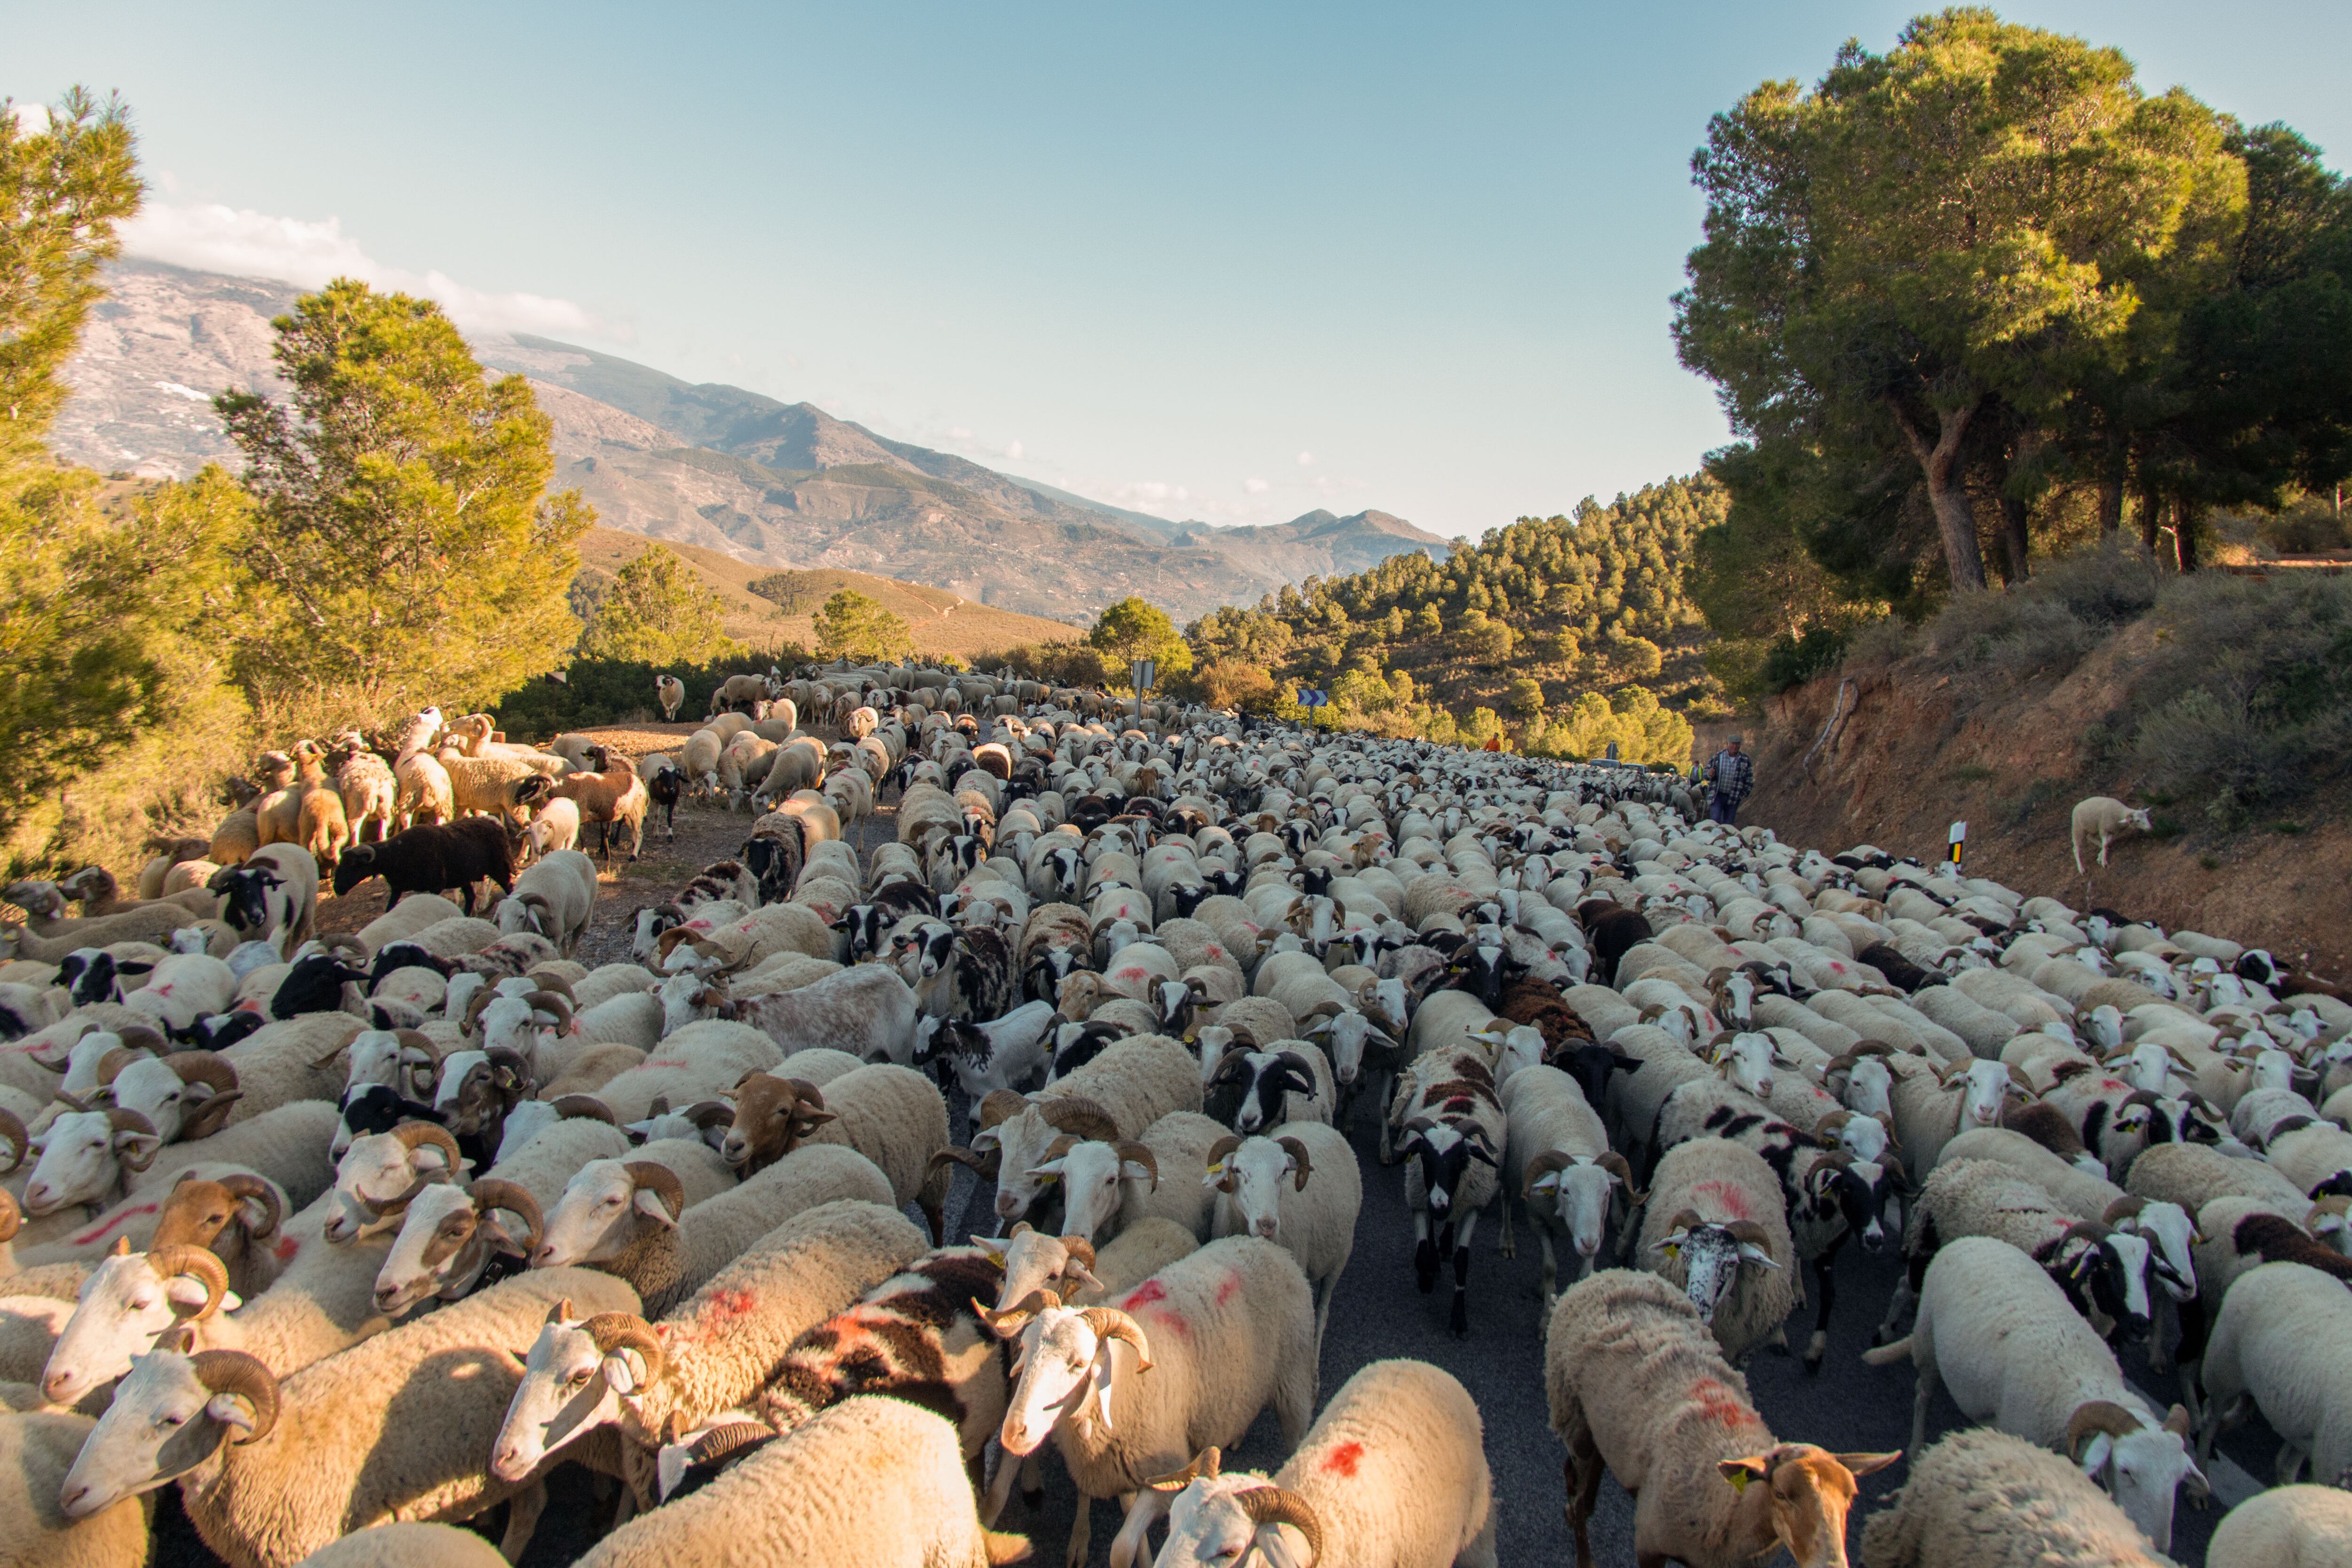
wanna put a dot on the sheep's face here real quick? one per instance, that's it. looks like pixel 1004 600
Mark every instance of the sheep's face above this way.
pixel 82 1154
pixel 1985 1087
pixel 163 1423
pixel 150 1087
pixel 1812 1492
pixel 373 1183
pixel 125 1306
pixel 1443 1154
pixel 442 1245
pixel 1711 1258
pixel 1208 1524
pixel 598 1215
pixel 1578 1197
pixel 2116 1273
pixel 1063 1367
pixel 2144 1472
pixel 1090 1173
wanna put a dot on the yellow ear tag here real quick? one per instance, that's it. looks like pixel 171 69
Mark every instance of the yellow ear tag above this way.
pixel 1673 1250
pixel 1739 1479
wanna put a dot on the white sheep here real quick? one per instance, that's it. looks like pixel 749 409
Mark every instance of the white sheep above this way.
pixel 1637 1382
pixel 2013 1350
pixel 1202 1359
pixel 36 1452
pixel 2107 819
pixel 1393 1471
pixel 869 1483
pixel 407 1546
pixel 1982 1499
pixel 2286 1526
pixel 1132 1084
pixel 714 1351
pixel 2281 1340
pixel 1558 1163
pixel 1714 1225
pixel 271 1471
pixel 555 896
pixel 1301 1188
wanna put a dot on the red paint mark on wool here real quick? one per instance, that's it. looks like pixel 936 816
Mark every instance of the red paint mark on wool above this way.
pixel 1726 1200
pixel 1718 1403
pixel 726 1306
pixel 1344 1459
pixel 1145 1294
pixel 286 1246
pixel 86 1238
pixel 1225 1292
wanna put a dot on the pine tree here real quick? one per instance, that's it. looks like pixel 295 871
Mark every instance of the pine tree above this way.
pixel 857 626
pixel 655 611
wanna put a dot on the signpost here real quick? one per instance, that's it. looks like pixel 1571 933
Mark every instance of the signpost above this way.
pixel 1959 842
pixel 1308 697
pixel 1144 673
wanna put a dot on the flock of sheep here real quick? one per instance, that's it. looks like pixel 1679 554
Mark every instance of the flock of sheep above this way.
pixel 356 1237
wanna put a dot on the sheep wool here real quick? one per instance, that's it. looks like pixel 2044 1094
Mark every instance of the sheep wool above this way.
pixel 36 1449
pixel 2286 1527
pixel 1982 1499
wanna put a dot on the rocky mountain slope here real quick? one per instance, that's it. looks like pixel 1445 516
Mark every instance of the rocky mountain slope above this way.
pixel 775 484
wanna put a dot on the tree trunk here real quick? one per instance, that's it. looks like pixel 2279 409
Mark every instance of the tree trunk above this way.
pixel 2014 540
pixel 2185 520
pixel 2151 516
pixel 1939 463
pixel 2111 505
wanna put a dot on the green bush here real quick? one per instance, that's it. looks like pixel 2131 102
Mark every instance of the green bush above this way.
pixel 1792 661
pixel 608 691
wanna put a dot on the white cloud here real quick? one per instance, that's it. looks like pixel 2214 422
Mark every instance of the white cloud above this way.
pixel 1014 451
pixel 1306 460
pixel 958 433
pixel 248 244
pixel 1256 487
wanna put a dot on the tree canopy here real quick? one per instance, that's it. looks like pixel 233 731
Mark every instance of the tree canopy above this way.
pixel 656 611
pixel 404 547
pixel 1134 629
pixel 857 628
pixel 1954 290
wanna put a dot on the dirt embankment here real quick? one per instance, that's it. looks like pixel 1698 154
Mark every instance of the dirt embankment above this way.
pixel 1918 748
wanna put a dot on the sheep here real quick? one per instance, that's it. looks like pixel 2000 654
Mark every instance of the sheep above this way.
pixel 1982 1499
pixel 2011 1349
pixel 97 1162
pixel 2107 1274
pixel 1453 1134
pixel 867 1011
pixel 555 897
pixel 2286 1526
pixel 38 1449
pixel 695 1062
pixel 1558 1161
pixel 714 1351
pixel 1205 1357
pixel 272 897
pixel 2192 1176
pixel 1132 1084
pixel 1263 1187
pixel 407 1546
pixel 614 797
pixel 890 1115
pixel 1251 1091
pixel 877 1483
pixel 2107 819
pixel 1394 1471
pixel 2279 1342
pixel 984 1057
pixel 147 923
pixel 271 1471
pixel 614 1213
pixel 1713 1210
pixel 1637 1382
pixel 1933 1105
pixel 670 692
pixel 2317 1158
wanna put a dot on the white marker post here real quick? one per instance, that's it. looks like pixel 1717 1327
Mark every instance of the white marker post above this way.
pixel 1143 673
pixel 1959 842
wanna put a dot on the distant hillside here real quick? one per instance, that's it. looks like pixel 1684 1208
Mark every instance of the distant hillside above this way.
pixel 1591 602
pixel 941 621
pixel 731 471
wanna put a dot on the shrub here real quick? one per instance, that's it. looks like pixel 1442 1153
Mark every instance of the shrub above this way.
pixel 1792 661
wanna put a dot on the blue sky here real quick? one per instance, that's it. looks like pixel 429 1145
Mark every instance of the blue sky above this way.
pixel 1217 261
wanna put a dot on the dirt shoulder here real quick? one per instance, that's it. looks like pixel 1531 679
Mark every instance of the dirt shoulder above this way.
pixel 1914 752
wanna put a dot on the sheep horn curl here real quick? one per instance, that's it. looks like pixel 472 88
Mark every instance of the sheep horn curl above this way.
pixel 707 1114
pixel 551 1002
pixel 1080 1116
pixel 12 1133
pixel 1748 1231
pixel 1218 1153
pixel 2094 1416
pixel 1614 1163
pixel 472 1023
pixel 502 1195
pixel 659 1180
pixel 170 1262
pixel 1542 1165
pixel 1297 1153
pixel 131 1121
pixel 1009 1322
pixel 1111 1324
pixel 1141 1154
pixel 569 1107
pixel 233 1372
pixel 110 1064
pixel 722 1443
pixel 1207 1462
pixel 1277 1505
pixel 616 1331
pixel 12 1218
pixel 412 1133
pixel 243 1185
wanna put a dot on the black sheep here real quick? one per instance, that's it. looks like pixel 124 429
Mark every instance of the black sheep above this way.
pixel 663 789
pixel 430 858
pixel 1900 972
pixel 1615 932
pixel 315 985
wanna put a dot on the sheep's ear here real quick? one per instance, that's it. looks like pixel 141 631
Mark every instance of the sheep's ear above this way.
pixel 649 1204
pixel 231 1410
pixel 1751 1253
pixel 2094 1458
pixel 625 1369
pixel 1741 1471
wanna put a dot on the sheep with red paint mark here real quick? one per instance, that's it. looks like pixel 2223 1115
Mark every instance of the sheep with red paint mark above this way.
pixel 1713 1224
pixel 1393 1471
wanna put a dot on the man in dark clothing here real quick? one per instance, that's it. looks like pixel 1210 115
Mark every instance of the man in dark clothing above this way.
pixel 1732 778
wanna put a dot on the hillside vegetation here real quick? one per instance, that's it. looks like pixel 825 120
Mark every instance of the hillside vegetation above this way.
pixel 1571 631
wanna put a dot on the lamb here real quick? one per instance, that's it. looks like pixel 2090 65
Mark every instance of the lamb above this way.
pixel 715 1352
pixel 1204 1358
pixel 2108 819
pixel 2014 1351
pixel 1303 1190
pixel 1637 1382
pixel 426 859
pixel 2286 1526
pixel 877 1483
pixel 271 1471
pixel 1558 1160
pixel 1408 1438
pixel 2279 1342
pixel 1713 1210
pixel 424 793
pixel 890 1115
pixel 988 1057
pixel 1982 1499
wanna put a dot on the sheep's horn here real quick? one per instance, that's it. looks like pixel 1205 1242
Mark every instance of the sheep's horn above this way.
pixel 1076 1114
pixel 1280 1505
pixel 1141 1154
pixel 233 1372
pixel 494 1194
pixel 1109 1323
pixel 170 1262
pixel 120 1120
pixel 1011 1320
pixel 707 1114
pixel 1207 1462
pixel 569 1107
pixel 659 1180
pixel 2095 1416
pixel 625 1330
pixel 11 1131
pixel 1298 1152
pixel 206 1068
pixel 1001 1104
pixel 725 1442
pixel 977 1163
pixel 412 1133
pixel 241 1185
